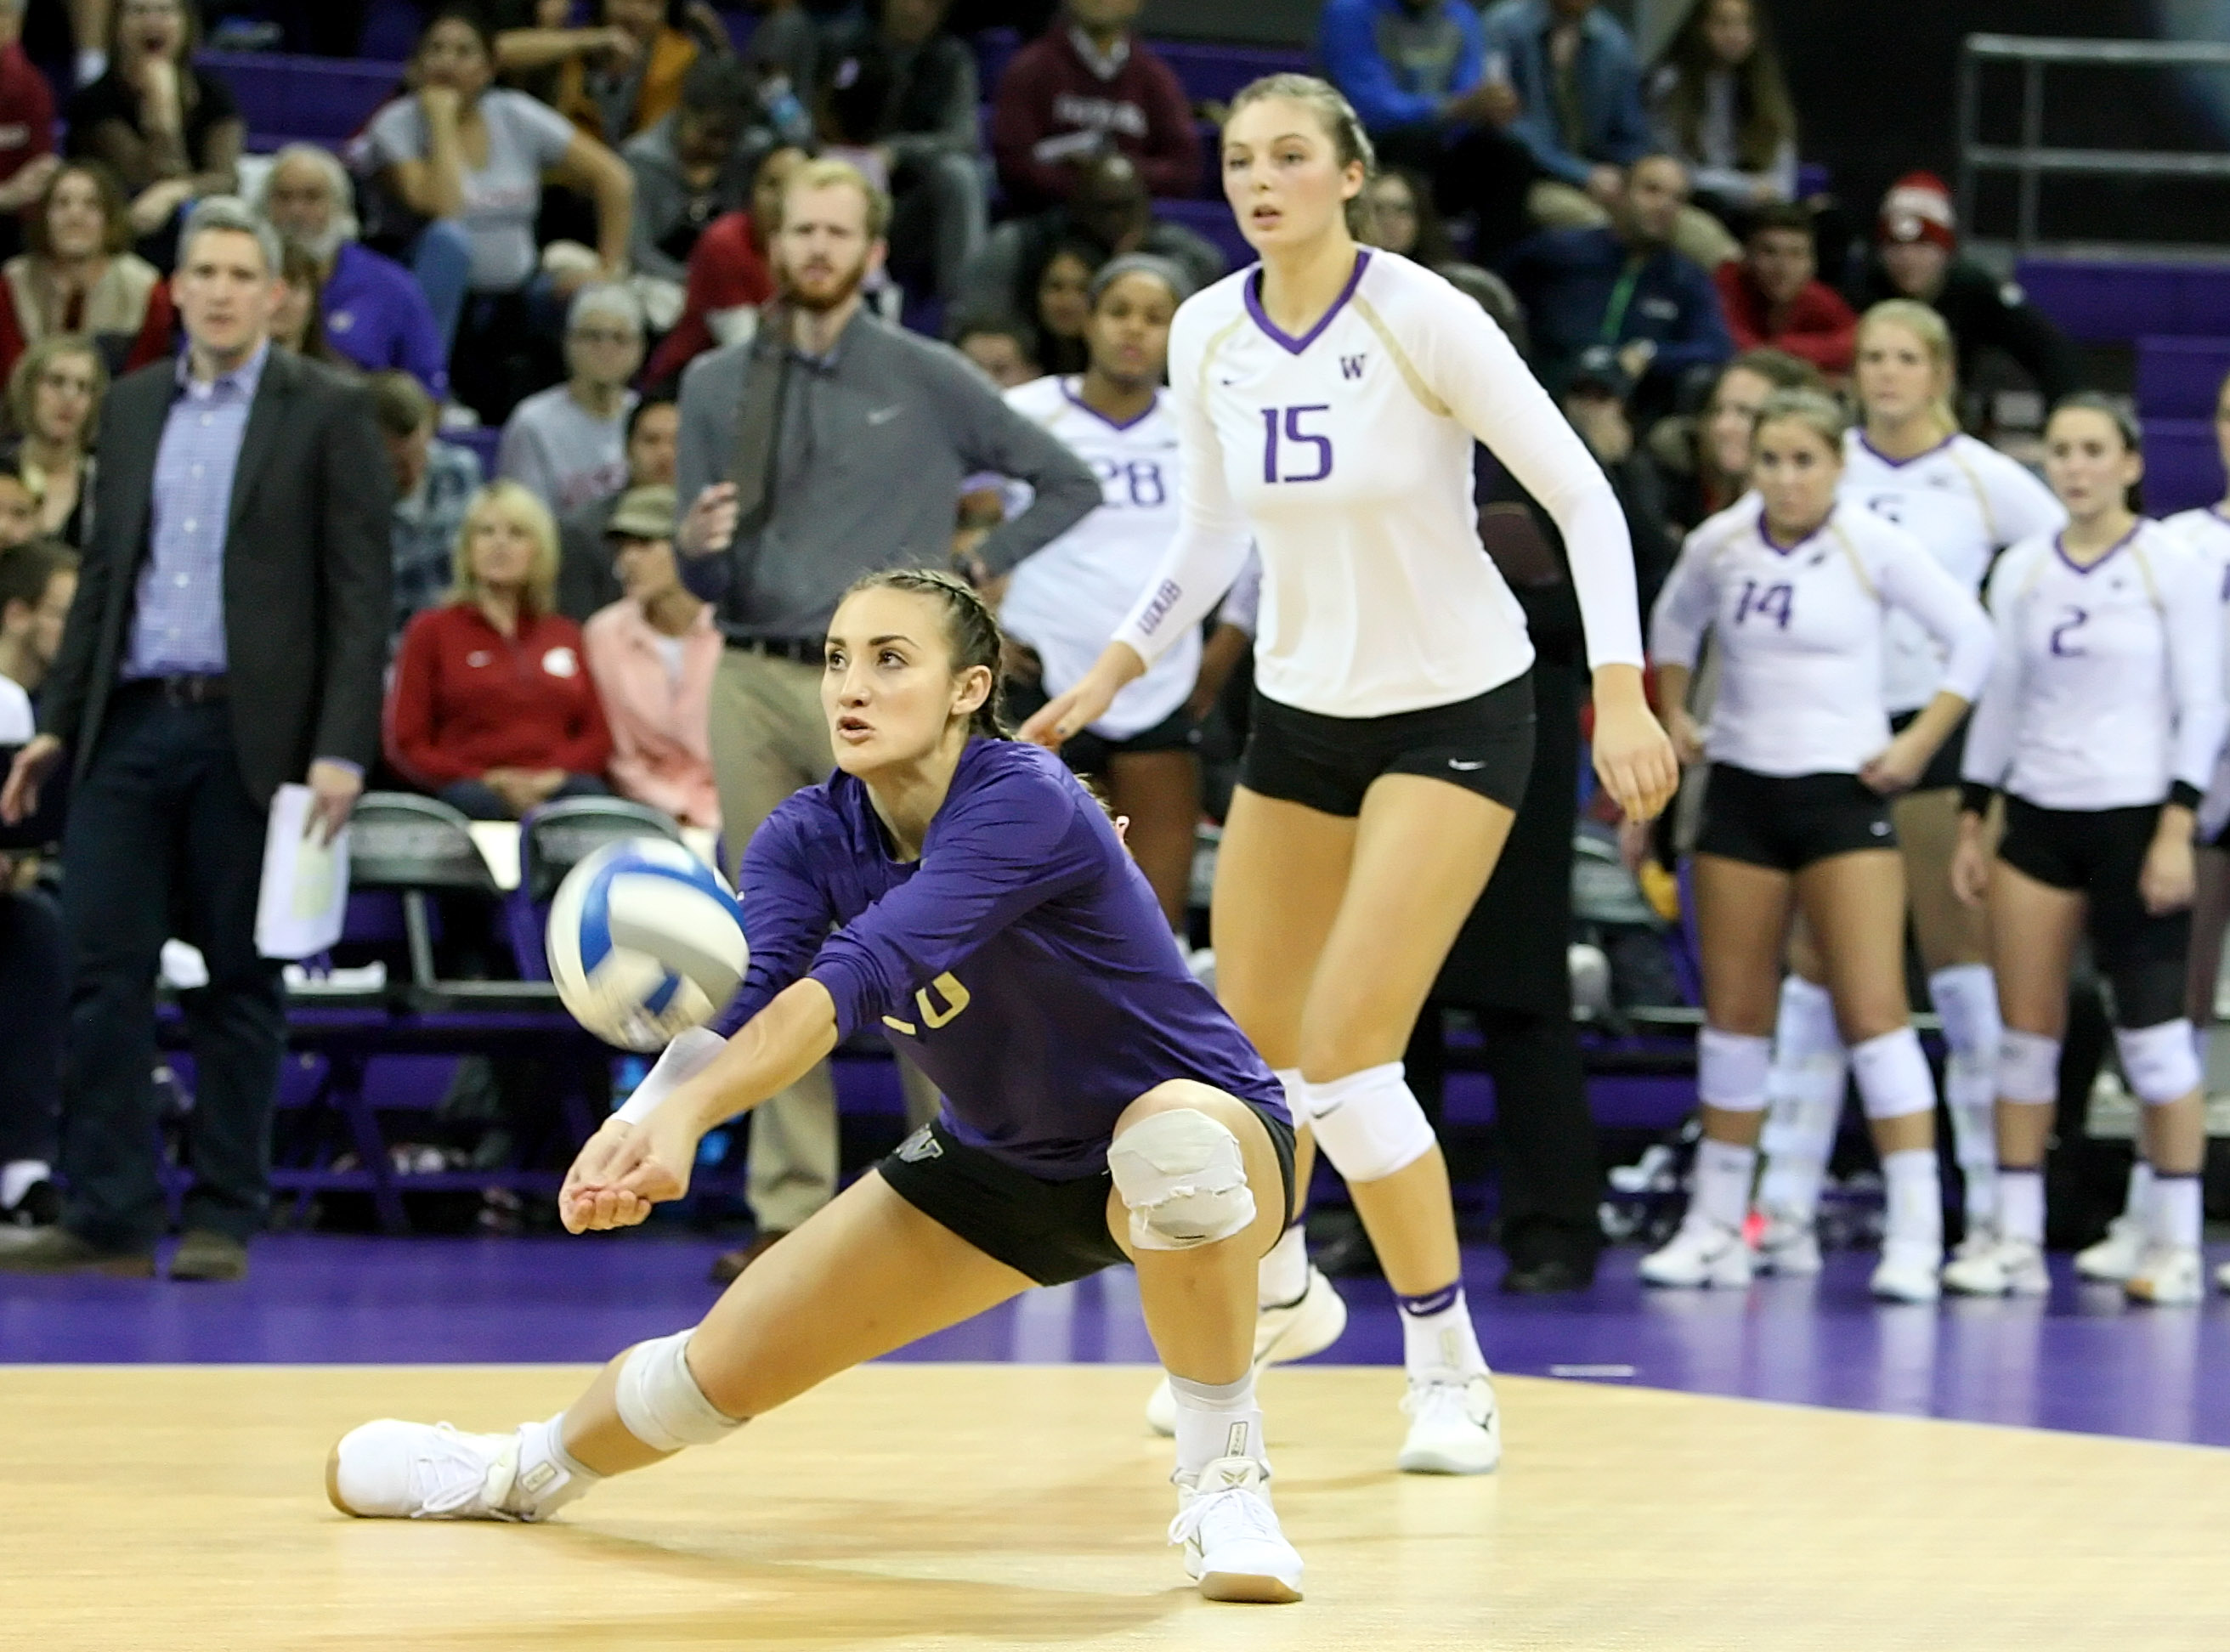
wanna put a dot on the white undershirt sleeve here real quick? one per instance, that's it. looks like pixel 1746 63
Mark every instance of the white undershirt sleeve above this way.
pixel 2191 611
pixel 1475 369
pixel 1913 580
pixel 1684 609
pixel 1213 534
pixel 2022 507
pixel 1991 725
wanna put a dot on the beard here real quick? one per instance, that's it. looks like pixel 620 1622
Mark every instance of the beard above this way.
pixel 319 248
pixel 825 293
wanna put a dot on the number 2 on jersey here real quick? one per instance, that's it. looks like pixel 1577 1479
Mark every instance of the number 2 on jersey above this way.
pixel 1771 602
pixel 1290 419
pixel 2061 647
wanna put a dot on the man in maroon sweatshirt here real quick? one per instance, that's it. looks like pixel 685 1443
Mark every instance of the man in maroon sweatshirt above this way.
pixel 1089 82
pixel 1774 298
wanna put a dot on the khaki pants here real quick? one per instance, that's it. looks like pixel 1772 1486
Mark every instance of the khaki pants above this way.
pixel 1554 205
pixel 770 739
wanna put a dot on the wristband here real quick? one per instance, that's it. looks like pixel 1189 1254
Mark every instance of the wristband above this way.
pixel 1975 796
pixel 690 1054
pixel 2184 794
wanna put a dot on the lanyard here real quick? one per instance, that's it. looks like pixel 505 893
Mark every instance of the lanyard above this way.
pixel 1622 298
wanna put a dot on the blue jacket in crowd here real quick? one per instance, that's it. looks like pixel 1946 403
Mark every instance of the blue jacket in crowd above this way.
pixel 1568 281
pixel 1607 77
pixel 1396 65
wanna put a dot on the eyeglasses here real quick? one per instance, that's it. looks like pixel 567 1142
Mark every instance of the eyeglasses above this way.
pixel 603 336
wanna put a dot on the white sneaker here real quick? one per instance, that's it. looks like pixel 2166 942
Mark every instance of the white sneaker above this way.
pixel 1703 1252
pixel 2168 1276
pixel 2115 1258
pixel 1978 1242
pixel 1907 1273
pixel 1788 1245
pixel 1308 1325
pixel 1455 1426
pixel 1233 1548
pixel 395 1471
pixel 2006 1267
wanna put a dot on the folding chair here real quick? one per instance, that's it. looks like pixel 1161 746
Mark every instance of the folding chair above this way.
pixel 552 841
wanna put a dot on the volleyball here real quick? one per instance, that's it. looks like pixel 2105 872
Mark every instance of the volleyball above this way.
pixel 645 941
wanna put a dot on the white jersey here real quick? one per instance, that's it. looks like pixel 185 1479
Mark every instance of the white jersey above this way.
pixel 1800 634
pixel 2208 532
pixel 1965 501
pixel 1064 597
pixel 1346 456
pixel 2107 688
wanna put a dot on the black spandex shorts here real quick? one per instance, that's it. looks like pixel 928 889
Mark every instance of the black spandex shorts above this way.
pixel 1942 769
pixel 1484 744
pixel 1789 822
pixel 1053 1231
pixel 2099 853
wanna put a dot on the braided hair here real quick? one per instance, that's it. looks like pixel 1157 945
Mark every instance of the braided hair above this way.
pixel 972 630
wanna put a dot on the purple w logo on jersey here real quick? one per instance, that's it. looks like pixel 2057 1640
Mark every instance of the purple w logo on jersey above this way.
pixel 1352 366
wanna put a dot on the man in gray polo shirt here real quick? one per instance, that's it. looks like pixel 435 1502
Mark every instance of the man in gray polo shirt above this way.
pixel 826 449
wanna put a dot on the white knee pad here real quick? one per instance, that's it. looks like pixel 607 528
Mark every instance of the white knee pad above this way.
pixel 2159 1062
pixel 1182 1179
pixel 1731 1069
pixel 1965 1000
pixel 1893 1074
pixel 2028 1066
pixel 1369 1124
pixel 660 1402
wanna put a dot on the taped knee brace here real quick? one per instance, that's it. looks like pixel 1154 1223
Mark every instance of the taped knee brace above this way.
pixel 1369 1124
pixel 1893 1074
pixel 2159 1062
pixel 1181 1177
pixel 660 1402
pixel 2028 1066
pixel 1731 1069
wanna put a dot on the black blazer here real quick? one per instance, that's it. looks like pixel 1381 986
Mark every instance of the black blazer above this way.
pixel 306 565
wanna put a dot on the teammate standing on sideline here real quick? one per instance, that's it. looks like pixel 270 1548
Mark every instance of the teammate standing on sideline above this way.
pixel 1797 588
pixel 1328 402
pixel 2102 723
pixel 1965 501
pixel 1098 1106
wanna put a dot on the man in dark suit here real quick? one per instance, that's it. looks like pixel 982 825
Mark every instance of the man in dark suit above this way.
pixel 228 637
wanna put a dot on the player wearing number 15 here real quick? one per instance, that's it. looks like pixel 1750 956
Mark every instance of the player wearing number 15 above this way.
pixel 1796 588
pixel 1327 405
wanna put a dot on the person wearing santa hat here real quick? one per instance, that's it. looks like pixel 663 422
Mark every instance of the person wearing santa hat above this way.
pixel 1917 257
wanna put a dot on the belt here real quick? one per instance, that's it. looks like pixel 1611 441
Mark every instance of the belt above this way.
pixel 186 688
pixel 805 650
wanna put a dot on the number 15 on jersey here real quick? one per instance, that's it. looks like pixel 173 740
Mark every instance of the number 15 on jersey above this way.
pixel 1300 446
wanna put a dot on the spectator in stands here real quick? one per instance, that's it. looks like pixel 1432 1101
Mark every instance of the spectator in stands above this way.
pixel 1917 257
pixel 1090 84
pixel 784 56
pixel 227 638
pixel 171 132
pixel 371 311
pixel 1005 347
pixel 296 324
pixel 54 393
pixel 27 128
pixel 80 276
pixel 616 95
pixel 924 136
pixel 38 582
pixel 817 495
pixel 1703 461
pixel 1774 298
pixel 435 485
pixel 1405 219
pixel 567 444
pixel 729 276
pixel 1624 284
pixel 652 655
pixel 1416 71
pixel 492 709
pixel 1719 100
pixel 536 40
pixel 693 167
pixel 586 578
pixel 1109 215
pixel 1061 297
pixel 19 511
pixel 472 156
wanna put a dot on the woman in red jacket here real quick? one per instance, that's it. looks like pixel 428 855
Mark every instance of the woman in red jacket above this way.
pixel 492 708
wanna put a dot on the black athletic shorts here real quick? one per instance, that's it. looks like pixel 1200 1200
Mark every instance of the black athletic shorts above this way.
pixel 1789 822
pixel 2100 853
pixel 1942 769
pixel 1484 744
pixel 1053 1231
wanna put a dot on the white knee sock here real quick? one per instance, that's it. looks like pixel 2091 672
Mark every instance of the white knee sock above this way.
pixel 1438 1338
pixel 1805 1099
pixel 1282 1276
pixel 1215 1420
pixel 1721 1183
pixel 2020 1204
pixel 1965 1000
pixel 2175 1212
pixel 1915 1191
pixel 549 1477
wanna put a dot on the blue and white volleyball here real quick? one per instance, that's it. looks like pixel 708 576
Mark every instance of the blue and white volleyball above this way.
pixel 645 941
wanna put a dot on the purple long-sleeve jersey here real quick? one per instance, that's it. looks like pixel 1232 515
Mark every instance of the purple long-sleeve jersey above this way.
pixel 1022 962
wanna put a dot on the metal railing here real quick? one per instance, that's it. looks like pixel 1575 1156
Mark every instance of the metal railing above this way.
pixel 2032 158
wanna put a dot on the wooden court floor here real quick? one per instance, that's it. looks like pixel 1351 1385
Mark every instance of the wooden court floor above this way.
pixel 171 1509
